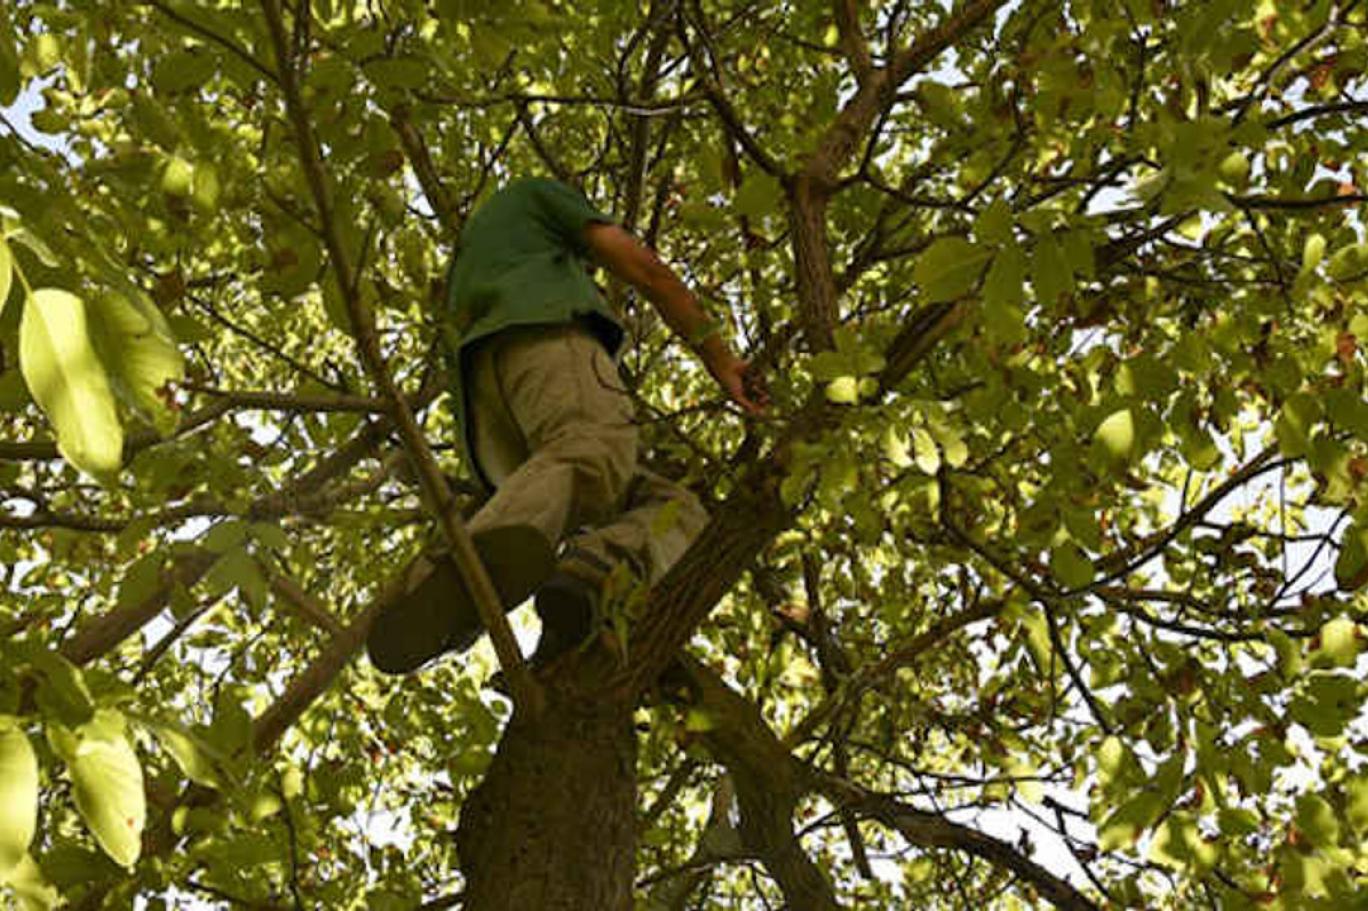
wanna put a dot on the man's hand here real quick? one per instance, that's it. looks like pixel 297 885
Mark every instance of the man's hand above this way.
pixel 743 385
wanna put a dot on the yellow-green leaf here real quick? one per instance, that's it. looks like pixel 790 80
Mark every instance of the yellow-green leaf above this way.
pixel 1339 641
pixel 1116 435
pixel 1234 169
pixel 30 888
pixel 924 451
pixel 1356 804
pixel 896 448
pixel 206 188
pixel 1313 252
pixel 6 272
pixel 140 356
pixel 18 794
pixel 68 382
pixel 178 177
pixel 1351 567
pixel 844 390
pixel 189 755
pixel 108 783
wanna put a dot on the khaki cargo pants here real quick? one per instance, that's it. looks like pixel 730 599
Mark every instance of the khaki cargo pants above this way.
pixel 553 429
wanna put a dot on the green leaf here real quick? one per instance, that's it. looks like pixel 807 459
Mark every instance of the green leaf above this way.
pixel 29 886
pixel 189 754
pixel 1115 436
pixel 18 794
pixel 698 721
pixel 10 79
pixel 896 447
pixel 994 224
pixel 237 569
pixel 1071 566
pixel 952 445
pixel 1356 803
pixel 924 451
pixel 948 268
pixel 271 535
pixel 206 188
pixel 1004 291
pixel 1351 567
pixel 1313 252
pixel 1078 253
pixel 226 535
pixel 1339 641
pixel 1234 169
pixel 68 382
pixel 397 72
pixel 1146 807
pixel 108 783
pixel 844 390
pixel 759 195
pixel 1179 843
pixel 182 70
pixel 140 355
pixel 62 692
pixel 6 273
pixel 1317 821
pixel 178 177
pixel 1237 822
pixel 35 245
pixel 1050 275
pixel 1328 702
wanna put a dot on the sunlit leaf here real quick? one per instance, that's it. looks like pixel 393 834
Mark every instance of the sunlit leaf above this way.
pixel 108 783
pixel 18 794
pixel 69 382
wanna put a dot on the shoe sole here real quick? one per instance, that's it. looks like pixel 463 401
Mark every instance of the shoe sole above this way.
pixel 439 614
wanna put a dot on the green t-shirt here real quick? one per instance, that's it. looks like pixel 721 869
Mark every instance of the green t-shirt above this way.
pixel 521 260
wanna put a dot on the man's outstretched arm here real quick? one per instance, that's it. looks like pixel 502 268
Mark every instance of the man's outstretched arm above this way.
pixel 637 264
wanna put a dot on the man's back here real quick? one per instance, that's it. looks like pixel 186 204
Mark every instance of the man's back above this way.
pixel 522 261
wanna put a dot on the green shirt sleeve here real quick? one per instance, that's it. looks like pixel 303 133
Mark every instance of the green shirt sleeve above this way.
pixel 567 212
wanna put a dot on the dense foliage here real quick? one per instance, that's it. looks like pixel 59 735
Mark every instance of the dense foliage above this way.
pixel 1062 308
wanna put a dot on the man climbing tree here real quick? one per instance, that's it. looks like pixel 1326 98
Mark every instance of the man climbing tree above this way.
pixel 546 422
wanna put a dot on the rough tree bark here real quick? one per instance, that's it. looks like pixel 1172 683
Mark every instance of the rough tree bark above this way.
pixel 553 825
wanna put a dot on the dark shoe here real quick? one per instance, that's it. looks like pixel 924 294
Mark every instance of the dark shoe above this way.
pixel 568 608
pixel 438 614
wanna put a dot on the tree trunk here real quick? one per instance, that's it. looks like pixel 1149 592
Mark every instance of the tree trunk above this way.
pixel 553 824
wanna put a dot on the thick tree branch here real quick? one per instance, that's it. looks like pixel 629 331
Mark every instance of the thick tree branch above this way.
pixel 932 830
pixel 101 634
pixel 300 402
pixel 306 605
pixel 320 674
pixel 853 43
pixel 769 783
